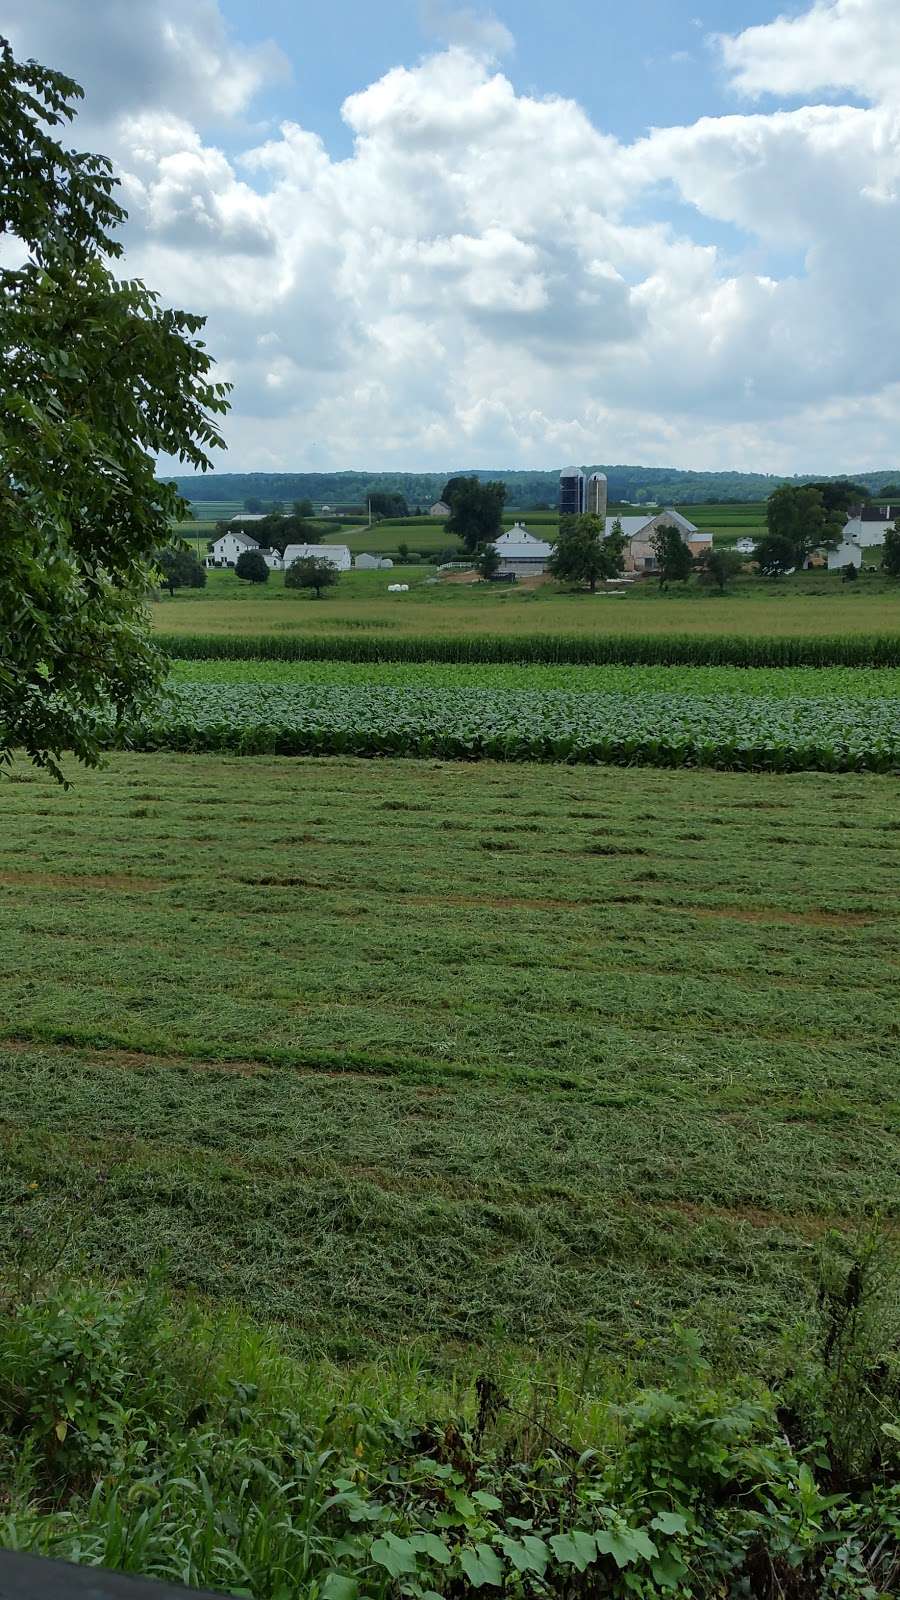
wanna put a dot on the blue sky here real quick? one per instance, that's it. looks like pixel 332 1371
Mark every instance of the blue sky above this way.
pixel 629 64
pixel 431 234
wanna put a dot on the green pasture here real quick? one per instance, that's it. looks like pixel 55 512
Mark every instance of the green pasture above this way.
pixel 453 1053
pixel 805 605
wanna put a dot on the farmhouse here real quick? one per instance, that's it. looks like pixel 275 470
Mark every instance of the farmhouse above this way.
pixel 228 547
pixel 864 529
pixel 272 558
pixel 638 531
pixel 337 554
pixel 521 555
pixel 439 509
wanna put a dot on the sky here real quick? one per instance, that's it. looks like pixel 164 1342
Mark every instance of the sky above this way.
pixel 429 236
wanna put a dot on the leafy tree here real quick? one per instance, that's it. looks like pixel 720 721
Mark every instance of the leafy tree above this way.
pixel 98 380
pixel 889 493
pixel 179 568
pixel 450 487
pixel 720 566
pixel 476 511
pixel 583 555
pixel 251 566
pixel 849 573
pixel 385 504
pixel 311 572
pixel 673 557
pixel 774 555
pixel 278 532
pixel 403 550
pixel 253 504
pixel 890 551
pixel 302 509
pixel 800 516
pixel 841 494
pixel 488 561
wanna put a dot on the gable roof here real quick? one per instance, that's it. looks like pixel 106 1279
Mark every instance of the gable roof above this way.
pixel 239 538
pixel 633 526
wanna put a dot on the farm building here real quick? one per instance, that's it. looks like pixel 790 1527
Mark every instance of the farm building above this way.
pixel 272 558
pixel 439 509
pixel 250 516
pixel 367 563
pixel 638 531
pixel 228 547
pixel 337 554
pixel 864 530
pixel 521 555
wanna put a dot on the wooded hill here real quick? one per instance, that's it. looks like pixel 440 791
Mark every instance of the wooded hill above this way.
pixel 662 485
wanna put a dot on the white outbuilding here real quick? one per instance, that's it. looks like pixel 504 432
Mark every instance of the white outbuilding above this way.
pixel 521 555
pixel 337 554
pixel 367 563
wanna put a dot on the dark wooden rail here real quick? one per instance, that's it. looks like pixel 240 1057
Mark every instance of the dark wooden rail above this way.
pixel 33 1578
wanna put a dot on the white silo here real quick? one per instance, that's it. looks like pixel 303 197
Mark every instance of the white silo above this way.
pixel 597 494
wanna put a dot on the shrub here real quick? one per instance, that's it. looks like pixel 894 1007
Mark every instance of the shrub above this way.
pixel 251 566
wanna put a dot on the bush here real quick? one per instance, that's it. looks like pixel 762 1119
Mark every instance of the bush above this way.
pixel 251 566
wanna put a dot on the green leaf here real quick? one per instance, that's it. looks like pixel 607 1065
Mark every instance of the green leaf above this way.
pixel 577 1549
pixel 428 1544
pixel 670 1522
pixel 338 1587
pixel 397 1555
pixel 489 1501
pixel 481 1566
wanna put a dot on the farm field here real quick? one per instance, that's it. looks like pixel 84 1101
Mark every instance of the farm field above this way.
pixel 454 1054
pixel 809 605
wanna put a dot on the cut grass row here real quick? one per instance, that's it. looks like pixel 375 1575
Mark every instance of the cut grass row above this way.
pixel 469 1053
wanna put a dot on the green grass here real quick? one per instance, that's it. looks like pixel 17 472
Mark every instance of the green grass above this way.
pixel 807 606
pixel 848 683
pixel 453 1053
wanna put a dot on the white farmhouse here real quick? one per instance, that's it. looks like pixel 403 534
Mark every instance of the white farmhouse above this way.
pixel 272 558
pixel 864 530
pixel 228 547
pixel 521 555
pixel 337 554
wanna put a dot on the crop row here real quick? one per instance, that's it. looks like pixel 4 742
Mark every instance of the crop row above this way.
pixel 874 650
pixel 743 732
pixel 856 683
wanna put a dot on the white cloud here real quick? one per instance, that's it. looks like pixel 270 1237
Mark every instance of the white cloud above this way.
pixel 836 44
pixel 480 32
pixel 475 284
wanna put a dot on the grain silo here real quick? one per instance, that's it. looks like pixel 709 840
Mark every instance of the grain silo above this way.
pixel 597 494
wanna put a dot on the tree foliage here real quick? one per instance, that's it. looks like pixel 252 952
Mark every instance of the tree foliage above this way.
pixel 801 517
pixel 890 551
pixel 476 511
pixel 311 572
pixel 583 555
pixel 840 494
pixel 179 568
pixel 719 567
pixel 385 504
pixel 98 379
pixel 488 561
pixel 673 557
pixel 251 566
pixel 774 555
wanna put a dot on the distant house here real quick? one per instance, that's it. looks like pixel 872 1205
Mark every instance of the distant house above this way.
pixel 272 558
pixel 338 555
pixel 439 509
pixel 638 531
pixel 864 529
pixel 367 563
pixel 521 555
pixel 745 546
pixel 228 547
pixel 250 516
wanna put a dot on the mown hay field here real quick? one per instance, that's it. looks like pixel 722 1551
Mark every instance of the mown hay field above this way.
pixel 449 1053
pixel 810 605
